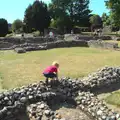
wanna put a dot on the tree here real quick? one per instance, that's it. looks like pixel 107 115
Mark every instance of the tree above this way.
pixel 62 24
pixel 3 27
pixel 60 19
pixel 37 16
pixel 113 5
pixel 76 10
pixel 27 26
pixel 79 12
pixel 105 19
pixel 109 21
pixel 96 21
pixel 17 26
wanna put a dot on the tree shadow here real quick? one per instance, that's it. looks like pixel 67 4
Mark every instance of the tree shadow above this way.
pixel 20 116
pixel 67 102
pixel 62 104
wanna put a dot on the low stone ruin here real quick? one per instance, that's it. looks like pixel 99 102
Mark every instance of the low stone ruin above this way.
pixel 40 43
pixel 20 50
pixel 103 78
pixel 36 100
pixel 69 37
pixel 50 45
pixel 62 44
pixel 102 44
pixel 40 111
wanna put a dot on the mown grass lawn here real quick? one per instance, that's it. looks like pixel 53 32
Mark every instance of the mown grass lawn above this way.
pixel 114 99
pixel 22 69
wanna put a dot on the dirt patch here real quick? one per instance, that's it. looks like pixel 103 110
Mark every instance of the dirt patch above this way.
pixel 72 114
pixel 69 112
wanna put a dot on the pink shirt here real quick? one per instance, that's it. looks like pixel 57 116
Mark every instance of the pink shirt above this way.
pixel 50 69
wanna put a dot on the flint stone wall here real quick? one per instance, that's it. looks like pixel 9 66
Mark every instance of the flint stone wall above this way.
pixel 102 44
pixel 50 45
pixel 28 39
pixel 9 42
pixel 77 92
pixel 62 44
pixel 69 37
pixel 43 43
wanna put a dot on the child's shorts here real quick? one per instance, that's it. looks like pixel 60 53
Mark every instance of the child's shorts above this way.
pixel 49 75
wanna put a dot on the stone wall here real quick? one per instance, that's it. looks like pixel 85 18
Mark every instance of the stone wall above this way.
pixel 35 99
pixel 102 44
pixel 62 44
pixel 37 44
pixel 28 39
pixel 50 45
pixel 69 37
pixel 9 42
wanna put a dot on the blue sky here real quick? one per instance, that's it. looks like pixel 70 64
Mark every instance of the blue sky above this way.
pixel 14 9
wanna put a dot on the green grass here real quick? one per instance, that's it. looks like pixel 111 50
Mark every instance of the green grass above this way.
pixel 114 99
pixel 22 69
pixel 1 80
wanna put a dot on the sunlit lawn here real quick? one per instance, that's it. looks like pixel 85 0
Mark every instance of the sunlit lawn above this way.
pixel 21 69
pixel 114 98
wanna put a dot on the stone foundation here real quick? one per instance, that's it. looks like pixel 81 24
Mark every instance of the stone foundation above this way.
pixel 22 48
pixel 102 44
pixel 43 43
pixel 35 99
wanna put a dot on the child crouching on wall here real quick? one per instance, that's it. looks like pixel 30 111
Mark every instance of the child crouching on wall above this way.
pixel 51 72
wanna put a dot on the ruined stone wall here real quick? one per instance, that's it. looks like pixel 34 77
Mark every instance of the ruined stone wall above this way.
pixel 36 99
pixel 61 44
pixel 43 43
pixel 9 42
pixel 49 45
pixel 69 37
pixel 102 44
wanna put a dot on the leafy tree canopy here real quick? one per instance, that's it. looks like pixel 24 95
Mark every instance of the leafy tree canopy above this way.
pixel 17 25
pixel 37 16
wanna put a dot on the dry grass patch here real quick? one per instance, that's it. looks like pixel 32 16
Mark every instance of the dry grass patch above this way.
pixel 22 69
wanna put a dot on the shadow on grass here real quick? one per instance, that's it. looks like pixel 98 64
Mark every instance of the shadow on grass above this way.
pixel 108 89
